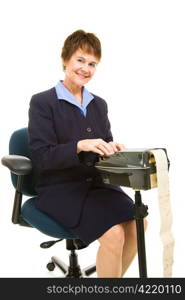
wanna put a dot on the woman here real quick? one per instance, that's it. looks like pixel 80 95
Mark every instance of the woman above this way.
pixel 68 130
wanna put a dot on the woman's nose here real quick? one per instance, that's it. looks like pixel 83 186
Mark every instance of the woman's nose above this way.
pixel 85 68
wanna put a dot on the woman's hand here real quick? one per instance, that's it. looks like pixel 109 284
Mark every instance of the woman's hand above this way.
pixel 99 146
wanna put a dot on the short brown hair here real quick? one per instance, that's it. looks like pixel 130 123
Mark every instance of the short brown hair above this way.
pixel 84 40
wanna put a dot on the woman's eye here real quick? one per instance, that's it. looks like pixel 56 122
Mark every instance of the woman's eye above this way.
pixel 80 60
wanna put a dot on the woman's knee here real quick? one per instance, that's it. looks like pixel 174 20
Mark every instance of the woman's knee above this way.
pixel 145 223
pixel 130 228
pixel 113 238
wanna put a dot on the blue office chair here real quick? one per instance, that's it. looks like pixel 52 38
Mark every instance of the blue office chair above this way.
pixel 24 178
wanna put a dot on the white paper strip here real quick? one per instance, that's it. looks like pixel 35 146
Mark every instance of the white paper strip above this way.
pixel 165 210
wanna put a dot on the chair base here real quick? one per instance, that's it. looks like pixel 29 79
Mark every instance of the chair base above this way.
pixel 73 270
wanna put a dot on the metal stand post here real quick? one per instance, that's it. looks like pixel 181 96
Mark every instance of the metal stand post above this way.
pixel 140 213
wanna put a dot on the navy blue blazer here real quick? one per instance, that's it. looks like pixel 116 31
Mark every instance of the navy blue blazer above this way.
pixel 64 177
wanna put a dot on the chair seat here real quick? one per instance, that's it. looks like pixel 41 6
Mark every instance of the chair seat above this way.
pixel 43 222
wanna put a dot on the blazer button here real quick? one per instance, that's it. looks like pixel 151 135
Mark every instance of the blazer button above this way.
pixel 89 164
pixel 89 179
pixel 89 129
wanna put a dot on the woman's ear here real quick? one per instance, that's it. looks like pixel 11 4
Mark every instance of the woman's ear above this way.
pixel 63 66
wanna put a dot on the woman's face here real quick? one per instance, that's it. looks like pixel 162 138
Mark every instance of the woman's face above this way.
pixel 80 68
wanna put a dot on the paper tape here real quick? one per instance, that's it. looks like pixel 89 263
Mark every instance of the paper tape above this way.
pixel 165 210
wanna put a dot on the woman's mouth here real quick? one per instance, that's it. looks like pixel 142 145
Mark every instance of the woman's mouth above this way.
pixel 82 76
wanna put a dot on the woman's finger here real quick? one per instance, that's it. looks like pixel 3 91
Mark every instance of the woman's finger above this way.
pixel 96 150
pixel 113 145
pixel 106 146
pixel 105 150
pixel 120 147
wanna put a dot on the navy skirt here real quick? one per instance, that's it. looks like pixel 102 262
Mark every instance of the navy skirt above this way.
pixel 102 209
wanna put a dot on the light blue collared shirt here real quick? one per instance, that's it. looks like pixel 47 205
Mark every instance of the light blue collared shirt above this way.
pixel 64 94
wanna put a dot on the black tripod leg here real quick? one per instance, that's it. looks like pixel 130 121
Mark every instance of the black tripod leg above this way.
pixel 140 213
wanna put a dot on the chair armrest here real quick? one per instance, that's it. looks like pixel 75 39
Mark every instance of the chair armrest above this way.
pixel 17 164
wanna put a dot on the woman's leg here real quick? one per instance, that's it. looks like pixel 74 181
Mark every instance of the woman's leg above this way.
pixel 109 256
pixel 130 245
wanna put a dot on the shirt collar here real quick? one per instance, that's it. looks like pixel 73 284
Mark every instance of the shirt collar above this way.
pixel 64 94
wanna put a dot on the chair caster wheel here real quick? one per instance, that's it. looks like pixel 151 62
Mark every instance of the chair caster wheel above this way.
pixel 50 266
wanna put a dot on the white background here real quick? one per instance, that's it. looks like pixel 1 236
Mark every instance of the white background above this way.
pixel 141 76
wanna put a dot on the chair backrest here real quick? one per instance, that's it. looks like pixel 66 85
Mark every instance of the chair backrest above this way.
pixel 18 145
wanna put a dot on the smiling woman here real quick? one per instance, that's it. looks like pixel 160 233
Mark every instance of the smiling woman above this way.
pixel 68 130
